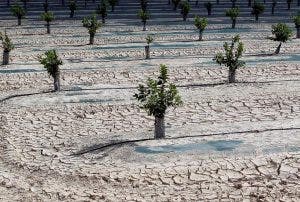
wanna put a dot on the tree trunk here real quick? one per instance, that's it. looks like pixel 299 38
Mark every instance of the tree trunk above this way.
pixel 233 4
pixel 85 3
pixel 169 2
pixel 159 127
pixel 278 48
pixel 63 2
pixel 144 26
pixel 72 14
pixel 19 21
pixel 197 2
pixel 5 57
pixel 200 35
pixel 147 51
pixel 273 10
pixel 231 75
pixel 233 23
pixel 92 36
pixel 56 82
pixel 48 28
pixel 289 6
pixel 249 3
pixel 298 32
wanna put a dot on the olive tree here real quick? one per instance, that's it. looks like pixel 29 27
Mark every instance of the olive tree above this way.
pixel 282 33
pixel 233 13
pixel 257 9
pixel 18 12
pixel 144 16
pixel 200 24
pixel 297 24
pixel 185 9
pixel 231 59
pixel 92 25
pixel 47 17
pixel 7 46
pixel 102 10
pixel 274 3
pixel 73 7
pixel 157 97
pixel 208 6
pixel 175 4
pixel 149 40
pixel 51 63
pixel 112 4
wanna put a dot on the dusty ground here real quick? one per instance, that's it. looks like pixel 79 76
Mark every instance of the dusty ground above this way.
pixel 237 142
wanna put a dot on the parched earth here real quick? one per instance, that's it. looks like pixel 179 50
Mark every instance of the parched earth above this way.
pixel 92 142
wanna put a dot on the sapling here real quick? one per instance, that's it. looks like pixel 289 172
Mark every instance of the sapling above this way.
pixel 18 12
pixel 232 56
pixel 208 6
pixel 296 20
pixel 92 26
pixel 144 16
pixel 51 63
pixel 48 17
pixel 185 9
pixel 149 40
pixel 257 9
pixel 156 97
pixel 282 33
pixel 7 46
pixel 200 24
pixel 233 13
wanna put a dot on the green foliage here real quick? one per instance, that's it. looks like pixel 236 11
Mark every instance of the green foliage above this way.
pixel 144 15
pixel 149 39
pixel 18 11
pixel 158 95
pixel 47 16
pixel 258 8
pixel 91 24
pixel 200 23
pixel 72 5
pixel 185 8
pixel 6 42
pixel 232 55
pixel 281 32
pixel 296 20
pixel 233 13
pixel 51 62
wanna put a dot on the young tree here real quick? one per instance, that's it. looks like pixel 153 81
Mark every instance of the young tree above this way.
pixel 289 2
pixel 51 63
pixel 72 6
pixel 7 47
pixel 175 4
pixel 201 24
pixel 157 97
pixel 18 12
pixel 297 24
pixel 274 3
pixel 185 9
pixel 233 3
pixel 144 5
pixel 257 9
pixel 233 13
pixel 208 7
pixel 47 17
pixel 112 3
pixel 231 59
pixel 144 16
pixel 149 40
pixel 102 10
pixel 92 25
pixel 282 33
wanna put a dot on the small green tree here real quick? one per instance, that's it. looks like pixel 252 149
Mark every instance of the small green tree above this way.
pixel 231 59
pixel 289 2
pixel 112 4
pixel 149 40
pixel 102 10
pixel 157 97
pixel 257 9
pixel 200 24
pixel 18 12
pixel 92 25
pixel 233 13
pixel 282 33
pixel 185 9
pixel 208 6
pixel 175 4
pixel 47 17
pixel 51 63
pixel 274 3
pixel 144 16
pixel 7 46
pixel 73 7
pixel 296 20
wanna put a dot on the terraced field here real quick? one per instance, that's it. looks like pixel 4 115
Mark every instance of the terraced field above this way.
pixel 92 142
